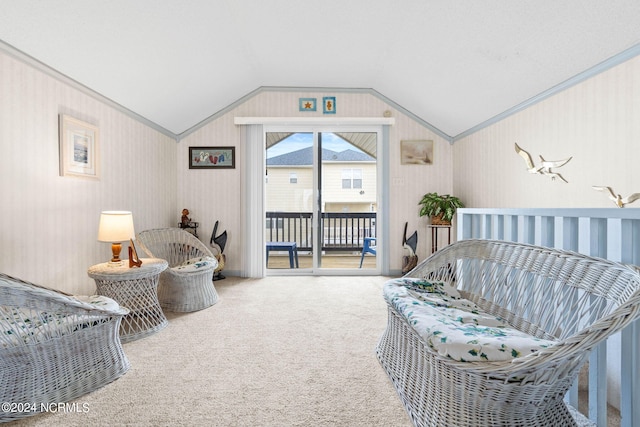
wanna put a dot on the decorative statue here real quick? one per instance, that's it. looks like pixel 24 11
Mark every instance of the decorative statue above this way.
pixel 218 243
pixel 409 262
pixel 185 220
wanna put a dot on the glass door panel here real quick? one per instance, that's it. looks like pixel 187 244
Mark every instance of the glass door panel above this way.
pixel 348 203
pixel 289 190
pixel 321 200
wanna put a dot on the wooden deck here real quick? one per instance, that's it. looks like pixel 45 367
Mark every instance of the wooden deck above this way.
pixel 328 261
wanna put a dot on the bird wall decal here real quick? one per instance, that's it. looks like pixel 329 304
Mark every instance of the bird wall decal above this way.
pixel 544 168
pixel 616 198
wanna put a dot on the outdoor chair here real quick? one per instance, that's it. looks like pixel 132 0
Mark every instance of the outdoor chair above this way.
pixel 187 285
pixel 368 247
pixel 54 347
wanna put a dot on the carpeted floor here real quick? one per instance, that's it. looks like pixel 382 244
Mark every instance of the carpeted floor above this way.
pixel 279 351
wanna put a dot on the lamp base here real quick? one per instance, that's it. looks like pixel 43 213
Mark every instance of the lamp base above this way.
pixel 115 251
pixel 115 263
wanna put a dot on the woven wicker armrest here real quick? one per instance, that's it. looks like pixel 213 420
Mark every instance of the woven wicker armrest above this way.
pixel 172 244
pixel 19 293
pixel 532 288
pixel 54 347
pixel 180 291
pixel 572 300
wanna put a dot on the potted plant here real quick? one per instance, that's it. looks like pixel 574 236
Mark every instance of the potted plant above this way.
pixel 440 207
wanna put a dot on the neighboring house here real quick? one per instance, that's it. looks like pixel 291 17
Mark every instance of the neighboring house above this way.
pixel 348 182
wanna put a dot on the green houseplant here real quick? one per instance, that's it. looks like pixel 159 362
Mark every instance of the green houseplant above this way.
pixel 440 207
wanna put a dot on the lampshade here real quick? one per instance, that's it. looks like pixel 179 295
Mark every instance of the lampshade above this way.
pixel 116 227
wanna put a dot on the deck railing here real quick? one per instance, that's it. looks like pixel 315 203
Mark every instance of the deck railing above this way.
pixel 606 233
pixel 341 231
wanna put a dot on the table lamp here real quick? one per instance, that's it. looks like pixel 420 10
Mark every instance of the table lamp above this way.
pixel 116 227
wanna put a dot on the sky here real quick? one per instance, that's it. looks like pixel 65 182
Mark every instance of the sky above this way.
pixel 298 141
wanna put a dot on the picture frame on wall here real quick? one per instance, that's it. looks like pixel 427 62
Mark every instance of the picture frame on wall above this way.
pixel 329 105
pixel 212 157
pixel 79 146
pixel 416 152
pixel 307 104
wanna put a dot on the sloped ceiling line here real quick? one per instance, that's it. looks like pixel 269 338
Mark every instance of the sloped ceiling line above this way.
pixel 51 72
pixel 618 59
pixel 591 72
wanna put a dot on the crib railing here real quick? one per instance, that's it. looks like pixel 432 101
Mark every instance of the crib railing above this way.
pixel 614 367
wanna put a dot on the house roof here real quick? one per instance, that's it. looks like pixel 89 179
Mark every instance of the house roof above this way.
pixel 304 157
pixel 453 64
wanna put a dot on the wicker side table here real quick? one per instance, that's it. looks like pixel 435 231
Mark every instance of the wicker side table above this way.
pixel 137 289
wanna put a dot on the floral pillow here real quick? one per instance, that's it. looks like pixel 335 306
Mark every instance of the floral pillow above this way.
pixel 456 327
pixel 196 264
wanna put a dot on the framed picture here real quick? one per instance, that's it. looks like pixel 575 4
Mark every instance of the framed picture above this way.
pixel 79 148
pixel 329 105
pixel 418 152
pixel 307 104
pixel 212 157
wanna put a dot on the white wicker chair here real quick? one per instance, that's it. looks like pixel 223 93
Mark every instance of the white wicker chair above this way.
pixel 53 347
pixel 180 291
pixel 574 299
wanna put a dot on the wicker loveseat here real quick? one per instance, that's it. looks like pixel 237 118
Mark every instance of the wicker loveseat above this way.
pixel 54 348
pixel 187 285
pixel 566 301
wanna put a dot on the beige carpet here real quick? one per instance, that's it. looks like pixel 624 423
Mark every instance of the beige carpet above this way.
pixel 280 351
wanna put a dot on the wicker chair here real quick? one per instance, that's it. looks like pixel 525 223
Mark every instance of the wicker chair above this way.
pixel 53 347
pixel 178 290
pixel 576 300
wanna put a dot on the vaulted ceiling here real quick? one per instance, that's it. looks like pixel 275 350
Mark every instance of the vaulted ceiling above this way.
pixel 455 64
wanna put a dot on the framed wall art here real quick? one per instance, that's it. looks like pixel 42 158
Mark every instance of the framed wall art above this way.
pixel 79 148
pixel 212 157
pixel 329 105
pixel 416 152
pixel 307 104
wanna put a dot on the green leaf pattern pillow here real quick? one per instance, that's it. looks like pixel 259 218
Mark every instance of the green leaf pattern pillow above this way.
pixel 456 327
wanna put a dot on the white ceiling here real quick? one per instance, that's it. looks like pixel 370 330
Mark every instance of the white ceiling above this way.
pixel 454 64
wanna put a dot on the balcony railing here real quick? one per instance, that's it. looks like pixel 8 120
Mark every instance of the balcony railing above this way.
pixel 341 231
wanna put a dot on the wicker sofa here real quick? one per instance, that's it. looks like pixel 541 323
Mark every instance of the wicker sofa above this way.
pixel 187 285
pixel 566 301
pixel 53 347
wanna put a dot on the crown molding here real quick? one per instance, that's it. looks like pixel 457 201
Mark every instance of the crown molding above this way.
pixel 51 72
pixel 615 60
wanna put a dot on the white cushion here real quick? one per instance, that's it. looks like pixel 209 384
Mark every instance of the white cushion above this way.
pixel 99 301
pixel 197 264
pixel 456 327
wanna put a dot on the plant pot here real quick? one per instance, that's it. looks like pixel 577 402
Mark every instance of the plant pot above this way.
pixel 437 220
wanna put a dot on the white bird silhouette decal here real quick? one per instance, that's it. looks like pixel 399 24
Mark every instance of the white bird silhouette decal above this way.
pixel 617 199
pixel 544 168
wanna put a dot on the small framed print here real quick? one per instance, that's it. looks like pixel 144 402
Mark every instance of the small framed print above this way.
pixel 307 104
pixel 79 144
pixel 329 105
pixel 212 157
pixel 416 152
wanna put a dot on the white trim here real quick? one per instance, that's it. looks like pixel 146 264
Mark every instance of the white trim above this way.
pixel 253 263
pixel 315 121
pixel 578 78
pixel 51 72
pixel 316 126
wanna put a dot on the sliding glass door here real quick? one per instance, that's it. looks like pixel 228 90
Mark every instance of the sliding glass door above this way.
pixel 321 200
